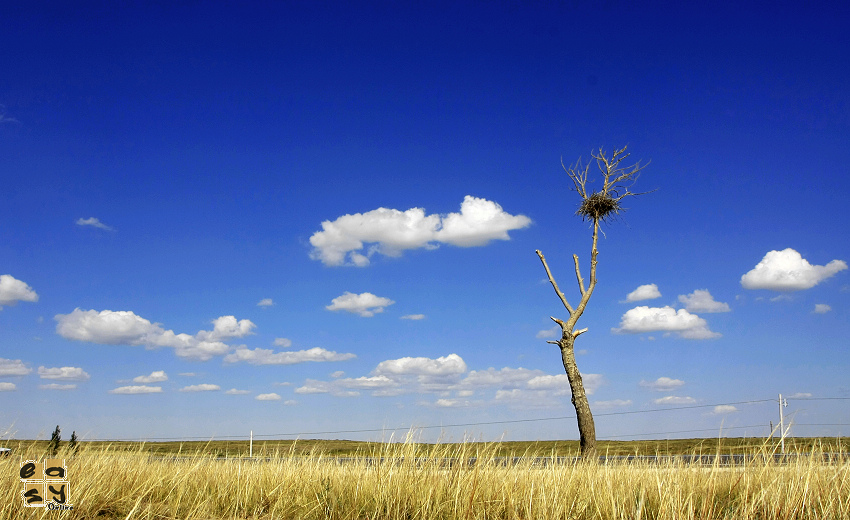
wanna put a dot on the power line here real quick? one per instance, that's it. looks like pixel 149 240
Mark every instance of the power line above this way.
pixel 510 421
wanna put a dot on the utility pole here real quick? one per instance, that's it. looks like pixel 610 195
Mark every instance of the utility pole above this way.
pixel 251 445
pixel 782 422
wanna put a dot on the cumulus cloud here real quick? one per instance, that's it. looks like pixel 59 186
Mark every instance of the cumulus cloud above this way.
pixel 650 319
pixel 57 386
pixel 268 397
pixel 673 399
pixel 452 403
pixel 423 366
pixel 157 376
pixel 282 342
pixel 234 391
pixel 93 222
pixel 63 373
pixel 265 302
pixel 721 409
pixel 312 386
pixel 644 292
pixel 413 317
pixel 13 367
pixel 554 332
pixel 821 308
pixel 561 384
pixel 365 304
pixel 448 374
pixel 787 270
pixel 504 378
pixel 262 356
pixel 226 327
pixel 366 383
pixel 662 384
pixel 7 387
pixel 139 389
pixel 126 328
pixel 702 301
pixel 204 387
pixel 391 231
pixel 13 291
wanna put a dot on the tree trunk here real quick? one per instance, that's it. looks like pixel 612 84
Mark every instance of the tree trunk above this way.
pixel 586 427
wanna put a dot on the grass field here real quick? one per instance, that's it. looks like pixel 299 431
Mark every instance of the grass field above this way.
pixel 305 480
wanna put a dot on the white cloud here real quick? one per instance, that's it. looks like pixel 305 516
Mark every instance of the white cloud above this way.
pixel 452 403
pixel 723 409
pixel 265 302
pixel 13 291
pixel 702 301
pixel 282 342
pixel 365 304
pixel 644 292
pixel 338 373
pixel 821 308
pixel 673 399
pixel 413 317
pixel 227 327
pixel 63 374
pixel 268 397
pixel 442 366
pixel 126 328
pixel 141 389
pixel 204 387
pixel 234 391
pixel 57 386
pixel 392 231
pixel 312 386
pixel 650 319
pixel 787 270
pixel 615 403
pixel 93 222
pixel 561 384
pixel 290 402
pixel 800 395
pixel 262 356
pixel 366 383
pixel 13 367
pixel 156 376
pixel 662 384
pixel 504 378
pixel 554 332
pixel 7 387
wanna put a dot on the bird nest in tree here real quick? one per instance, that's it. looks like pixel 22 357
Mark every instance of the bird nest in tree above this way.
pixel 599 206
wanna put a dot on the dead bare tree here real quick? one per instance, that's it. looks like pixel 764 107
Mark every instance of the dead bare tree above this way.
pixel 596 206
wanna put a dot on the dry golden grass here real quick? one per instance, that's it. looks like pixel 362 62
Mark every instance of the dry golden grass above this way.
pixel 414 482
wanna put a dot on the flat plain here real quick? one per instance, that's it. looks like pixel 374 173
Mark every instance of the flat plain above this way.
pixel 351 480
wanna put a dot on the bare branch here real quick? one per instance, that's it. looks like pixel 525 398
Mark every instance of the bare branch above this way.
pixel 559 322
pixel 554 285
pixel 578 176
pixel 578 275
pixel 582 331
pixel 554 342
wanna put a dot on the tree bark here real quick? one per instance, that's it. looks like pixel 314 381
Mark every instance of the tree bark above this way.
pixel 586 426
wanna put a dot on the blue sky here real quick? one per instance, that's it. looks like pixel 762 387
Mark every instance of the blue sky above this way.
pixel 312 217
